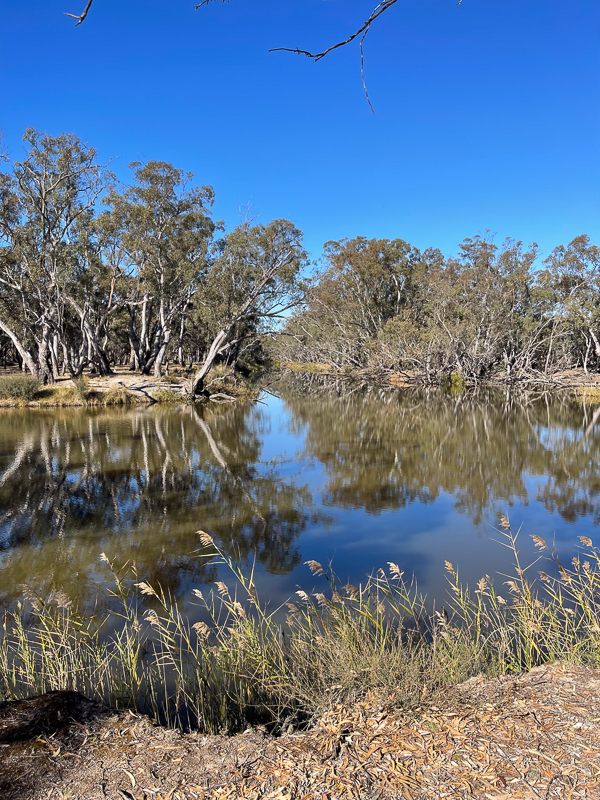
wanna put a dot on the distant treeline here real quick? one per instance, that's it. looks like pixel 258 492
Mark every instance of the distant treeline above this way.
pixel 95 274
pixel 492 312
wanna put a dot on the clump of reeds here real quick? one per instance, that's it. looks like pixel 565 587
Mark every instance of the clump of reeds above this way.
pixel 81 388
pixel 246 664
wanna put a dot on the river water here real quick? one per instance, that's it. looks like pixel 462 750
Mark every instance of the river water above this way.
pixel 344 476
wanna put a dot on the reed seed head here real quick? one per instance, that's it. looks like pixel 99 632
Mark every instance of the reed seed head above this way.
pixel 205 538
pixel 201 629
pixel 145 588
pixel 395 570
pixel 314 567
pixel 539 542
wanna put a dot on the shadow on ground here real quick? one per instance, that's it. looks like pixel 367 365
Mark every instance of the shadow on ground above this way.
pixel 32 734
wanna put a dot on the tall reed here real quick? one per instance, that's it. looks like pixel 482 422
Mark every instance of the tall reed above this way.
pixel 247 664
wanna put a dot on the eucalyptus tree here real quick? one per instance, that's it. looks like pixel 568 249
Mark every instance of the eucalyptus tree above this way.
pixel 476 313
pixel 366 283
pixel 384 304
pixel 572 273
pixel 482 304
pixel 256 278
pixel 44 205
pixel 98 290
pixel 166 232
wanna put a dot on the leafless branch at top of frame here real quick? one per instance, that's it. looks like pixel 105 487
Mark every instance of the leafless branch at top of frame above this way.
pixel 379 9
pixel 364 29
pixel 81 17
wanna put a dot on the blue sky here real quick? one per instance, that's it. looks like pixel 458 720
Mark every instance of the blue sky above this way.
pixel 487 114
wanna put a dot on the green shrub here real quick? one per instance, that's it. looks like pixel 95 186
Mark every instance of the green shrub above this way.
pixel 453 384
pixel 19 387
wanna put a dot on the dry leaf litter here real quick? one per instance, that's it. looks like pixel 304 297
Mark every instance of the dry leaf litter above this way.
pixel 532 736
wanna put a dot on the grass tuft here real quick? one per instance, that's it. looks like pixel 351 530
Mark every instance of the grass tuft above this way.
pixel 118 396
pixel 168 396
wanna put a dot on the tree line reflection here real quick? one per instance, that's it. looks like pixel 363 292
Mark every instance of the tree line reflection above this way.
pixel 383 450
pixel 137 484
pixel 140 484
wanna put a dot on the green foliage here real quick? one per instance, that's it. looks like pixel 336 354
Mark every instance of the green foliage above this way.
pixel 453 384
pixel 485 314
pixel 19 387
pixel 588 394
pixel 145 280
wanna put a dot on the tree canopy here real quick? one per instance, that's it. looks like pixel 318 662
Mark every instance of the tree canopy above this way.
pixel 492 310
pixel 95 274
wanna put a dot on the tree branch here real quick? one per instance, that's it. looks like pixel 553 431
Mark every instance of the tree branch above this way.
pixel 364 29
pixel 81 17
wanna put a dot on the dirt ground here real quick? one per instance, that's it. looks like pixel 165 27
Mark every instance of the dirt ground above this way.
pixel 531 736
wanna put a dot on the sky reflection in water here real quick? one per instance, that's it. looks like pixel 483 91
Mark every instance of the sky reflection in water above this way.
pixel 357 479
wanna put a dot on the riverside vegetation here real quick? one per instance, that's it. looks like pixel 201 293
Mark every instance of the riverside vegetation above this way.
pixel 245 665
pixel 95 275
pixel 25 390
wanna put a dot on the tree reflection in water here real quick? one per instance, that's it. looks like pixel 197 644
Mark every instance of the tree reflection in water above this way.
pixel 382 450
pixel 137 484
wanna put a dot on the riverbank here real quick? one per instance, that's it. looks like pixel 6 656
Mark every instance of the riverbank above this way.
pixel 362 695
pixel 121 389
pixel 125 388
pixel 574 379
pixel 244 664
pixel 535 735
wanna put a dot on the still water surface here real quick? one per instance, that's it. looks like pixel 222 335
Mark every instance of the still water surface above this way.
pixel 354 479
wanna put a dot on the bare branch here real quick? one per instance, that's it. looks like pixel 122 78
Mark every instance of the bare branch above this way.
pixel 81 17
pixel 364 29
pixel 205 3
pixel 362 71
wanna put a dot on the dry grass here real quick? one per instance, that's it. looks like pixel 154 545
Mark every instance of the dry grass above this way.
pixel 223 380
pixel 588 394
pixel 243 666
pixel 119 396
pixel 71 394
pixel 166 395
pixel 301 366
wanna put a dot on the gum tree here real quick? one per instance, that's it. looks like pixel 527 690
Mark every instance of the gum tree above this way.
pixel 166 231
pixel 254 281
pixel 43 207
